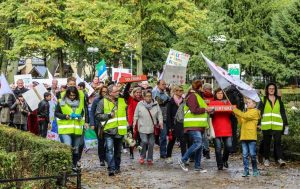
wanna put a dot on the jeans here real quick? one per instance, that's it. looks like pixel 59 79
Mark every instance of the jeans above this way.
pixel 267 138
pixel 147 143
pixel 74 141
pixel 113 147
pixel 43 128
pixel 249 147
pixel 196 148
pixel 227 141
pixel 163 141
pixel 205 141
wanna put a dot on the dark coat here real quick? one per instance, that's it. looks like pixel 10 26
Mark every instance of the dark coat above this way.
pixel 21 113
pixel 43 110
pixel 6 101
pixel 171 124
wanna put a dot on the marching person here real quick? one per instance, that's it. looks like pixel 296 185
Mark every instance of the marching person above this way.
pixel 21 110
pixel 43 115
pixel 160 95
pixel 147 115
pixel 112 110
pixel 248 121
pixel 96 124
pixel 222 128
pixel 195 123
pixel 273 123
pixel 174 127
pixel 6 101
pixel 132 98
pixel 71 117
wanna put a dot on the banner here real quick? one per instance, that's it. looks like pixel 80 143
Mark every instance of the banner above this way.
pixel 123 71
pixel 134 78
pixel 34 96
pixel 4 86
pixel 225 80
pixel 174 75
pixel 27 79
pixel 177 58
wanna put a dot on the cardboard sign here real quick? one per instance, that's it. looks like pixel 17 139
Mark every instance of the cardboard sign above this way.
pixel 34 96
pixel 174 75
pixel 223 108
pixel 27 79
pixel 135 78
pixel 123 71
pixel 176 58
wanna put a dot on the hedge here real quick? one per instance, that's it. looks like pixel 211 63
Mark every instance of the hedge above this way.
pixel 27 155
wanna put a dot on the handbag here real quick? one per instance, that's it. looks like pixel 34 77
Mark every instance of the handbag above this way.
pixel 156 126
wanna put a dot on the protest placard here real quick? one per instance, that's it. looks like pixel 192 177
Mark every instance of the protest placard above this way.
pixel 174 74
pixel 177 58
pixel 134 78
pixel 34 96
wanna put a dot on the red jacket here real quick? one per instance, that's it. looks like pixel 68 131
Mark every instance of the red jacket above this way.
pixel 132 103
pixel 221 120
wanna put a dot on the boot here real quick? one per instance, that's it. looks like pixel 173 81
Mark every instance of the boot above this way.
pixel 75 159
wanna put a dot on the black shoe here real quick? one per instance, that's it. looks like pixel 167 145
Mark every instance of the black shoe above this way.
pixel 102 163
pixel 111 173
pixel 220 167
pixel 207 156
pixel 163 157
pixel 225 164
pixel 118 171
pixel 131 156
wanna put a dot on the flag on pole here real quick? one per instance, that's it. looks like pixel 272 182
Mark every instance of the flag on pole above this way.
pixel 225 80
pixel 101 69
pixel 4 86
pixel 50 76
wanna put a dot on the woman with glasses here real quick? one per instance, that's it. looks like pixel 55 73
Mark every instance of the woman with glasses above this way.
pixel 147 115
pixel 175 128
pixel 71 117
pixel 96 124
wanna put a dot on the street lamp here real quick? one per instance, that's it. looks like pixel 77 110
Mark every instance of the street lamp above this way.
pixel 92 50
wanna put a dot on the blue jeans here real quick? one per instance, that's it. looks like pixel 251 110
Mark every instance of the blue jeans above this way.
pixel 113 147
pixel 163 141
pixel 249 148
pixel 221 158
pixel 205 141
pixel 72 140
pixel 196 148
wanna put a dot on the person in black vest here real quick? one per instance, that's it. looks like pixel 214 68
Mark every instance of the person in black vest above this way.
pixel 43 115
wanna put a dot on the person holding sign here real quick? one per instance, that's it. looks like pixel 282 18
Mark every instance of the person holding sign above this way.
pixel 71 117
pixel 21 110
pixel 223 131
pixel 112 110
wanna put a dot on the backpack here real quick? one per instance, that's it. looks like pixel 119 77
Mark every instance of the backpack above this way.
pixel 179 116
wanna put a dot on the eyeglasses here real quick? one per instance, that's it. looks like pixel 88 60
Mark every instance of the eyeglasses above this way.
pixel 72 95
pixel 180 90
pixel 115 91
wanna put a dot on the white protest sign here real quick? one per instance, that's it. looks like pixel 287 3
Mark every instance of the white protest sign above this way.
pixel 174 75
pixel 27 79
pixel 177 58
pixel 34 96
pixel 234 70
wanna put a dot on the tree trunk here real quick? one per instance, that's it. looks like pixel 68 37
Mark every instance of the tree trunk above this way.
pixel 80 65
pixel 60 60
pixel 139 50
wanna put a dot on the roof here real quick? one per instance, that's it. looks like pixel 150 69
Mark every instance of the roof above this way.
pixel 41 70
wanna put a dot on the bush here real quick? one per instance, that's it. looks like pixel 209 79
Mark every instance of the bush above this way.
pixel 294 122
pixel 35 156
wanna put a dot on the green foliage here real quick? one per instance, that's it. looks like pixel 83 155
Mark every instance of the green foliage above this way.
pixel 32 156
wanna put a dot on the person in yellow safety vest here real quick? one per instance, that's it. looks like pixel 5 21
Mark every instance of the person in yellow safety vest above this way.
pixel 71 118
pixel 111 110
pixel 273 124
pixel 195 122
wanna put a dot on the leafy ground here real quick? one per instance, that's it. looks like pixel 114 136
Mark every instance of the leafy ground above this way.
pixel 164 175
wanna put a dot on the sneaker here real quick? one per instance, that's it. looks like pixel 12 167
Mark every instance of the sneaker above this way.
pixel 111 173
pixel 182 165
pixel 225 164
pixel 163 157
pixel 102 163
pixel 246 174
pixel 281 163
pixel 220 167
pixel 255 173
pixel 150 162
pixel 266 163
pixel 118 171
pixel 201 170
pixel 142 161
pixel 169 160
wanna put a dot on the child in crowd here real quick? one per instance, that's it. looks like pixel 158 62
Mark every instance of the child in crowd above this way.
pixel 248 121
pixel 21 110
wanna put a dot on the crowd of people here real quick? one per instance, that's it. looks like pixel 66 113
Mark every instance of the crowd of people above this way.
pixel 161 115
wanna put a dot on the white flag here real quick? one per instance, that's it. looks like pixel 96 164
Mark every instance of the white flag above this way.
pixel 225 80
pixel 4 86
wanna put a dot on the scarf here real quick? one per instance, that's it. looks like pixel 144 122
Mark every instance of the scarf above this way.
pixel 73 103
pixel 147 106
pixel 177 100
